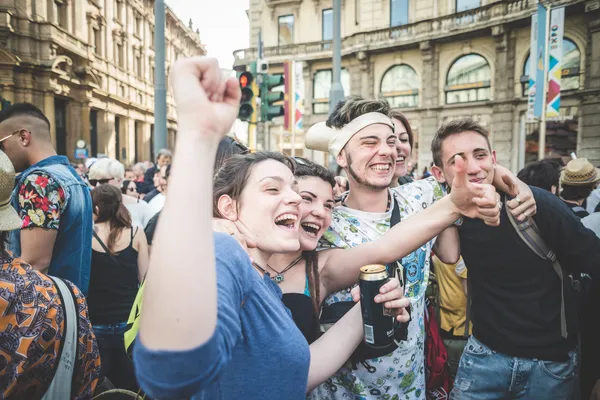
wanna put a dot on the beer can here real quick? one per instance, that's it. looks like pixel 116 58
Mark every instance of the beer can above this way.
pixel 378 323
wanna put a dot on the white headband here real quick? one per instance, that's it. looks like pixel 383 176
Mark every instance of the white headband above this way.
pixel 323 138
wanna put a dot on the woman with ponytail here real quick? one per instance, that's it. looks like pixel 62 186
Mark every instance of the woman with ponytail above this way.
pixel 119 263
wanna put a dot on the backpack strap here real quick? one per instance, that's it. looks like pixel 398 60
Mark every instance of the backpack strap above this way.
pixel 63 377
pixel 529 232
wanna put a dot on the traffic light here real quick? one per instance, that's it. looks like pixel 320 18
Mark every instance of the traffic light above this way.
pixel 246 111
pixel 268 98
pixel 4 103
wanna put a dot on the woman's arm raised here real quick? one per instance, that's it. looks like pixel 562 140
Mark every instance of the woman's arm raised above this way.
pixel 182 266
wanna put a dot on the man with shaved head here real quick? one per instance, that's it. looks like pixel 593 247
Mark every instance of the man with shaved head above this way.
pixel 54 204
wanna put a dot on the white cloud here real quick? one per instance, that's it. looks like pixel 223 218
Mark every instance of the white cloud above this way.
pixel 223 25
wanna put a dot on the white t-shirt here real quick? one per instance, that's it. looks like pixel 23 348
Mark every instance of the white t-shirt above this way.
pixel 157 203
pixel 141 213
pixel 399 375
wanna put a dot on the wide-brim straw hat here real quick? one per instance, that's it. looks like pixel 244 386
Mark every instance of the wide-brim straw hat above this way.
pixel 579 172
pixel 9 218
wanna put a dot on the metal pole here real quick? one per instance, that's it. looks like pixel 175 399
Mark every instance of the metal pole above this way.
pixel 336 94
pixel 292 104
pixel 542 139
pixel 160 90
pixel 522 143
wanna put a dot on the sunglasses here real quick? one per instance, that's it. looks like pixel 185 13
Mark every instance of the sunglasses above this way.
pixel 9 136
pixel 243 149
pixel 95 182
pixel 302 161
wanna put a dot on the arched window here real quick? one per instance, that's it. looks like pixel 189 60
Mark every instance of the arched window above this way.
pixel 469 79
pixel 400 86
pixel 570 71
pixel 322 85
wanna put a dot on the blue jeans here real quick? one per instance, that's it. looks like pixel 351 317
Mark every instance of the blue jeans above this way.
pixel 485 374
pixel 116 364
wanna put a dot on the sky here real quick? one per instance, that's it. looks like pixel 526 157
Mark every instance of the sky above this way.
pixel 223 25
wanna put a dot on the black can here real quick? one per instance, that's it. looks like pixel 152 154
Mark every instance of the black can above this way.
pixel 378 322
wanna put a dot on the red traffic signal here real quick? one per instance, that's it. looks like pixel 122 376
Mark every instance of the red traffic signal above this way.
pixel 246 79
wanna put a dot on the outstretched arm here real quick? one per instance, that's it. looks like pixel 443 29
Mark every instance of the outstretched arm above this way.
pixel 470 199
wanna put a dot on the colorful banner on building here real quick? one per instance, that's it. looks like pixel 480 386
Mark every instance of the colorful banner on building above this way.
pixel 555 57
pixel 540 59
pixel 298 97
pixel 532 69
pixel 294 96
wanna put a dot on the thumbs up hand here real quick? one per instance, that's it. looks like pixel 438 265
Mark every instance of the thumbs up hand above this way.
pixel 474 200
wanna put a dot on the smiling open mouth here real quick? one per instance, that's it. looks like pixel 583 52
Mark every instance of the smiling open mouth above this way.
pixel 286 221
pixel 381 167
pixel 311 228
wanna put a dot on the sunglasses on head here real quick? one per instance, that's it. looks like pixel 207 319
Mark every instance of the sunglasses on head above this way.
pixel 95 182
pixel 302 161
pixel 243 149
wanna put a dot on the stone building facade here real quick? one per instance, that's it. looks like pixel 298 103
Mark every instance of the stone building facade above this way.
pixel 89 65
pixel 437 60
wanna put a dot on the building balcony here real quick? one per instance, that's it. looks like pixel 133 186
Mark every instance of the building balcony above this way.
pixel 455 24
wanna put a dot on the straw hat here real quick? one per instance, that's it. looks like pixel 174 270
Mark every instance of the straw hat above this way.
pixel 579 172
pixel 9 219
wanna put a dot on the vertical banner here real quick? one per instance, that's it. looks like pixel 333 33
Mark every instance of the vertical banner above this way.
pixel 287 104
pixel 555 56
pixel 540 60
pixel 532 68
pixel 298 98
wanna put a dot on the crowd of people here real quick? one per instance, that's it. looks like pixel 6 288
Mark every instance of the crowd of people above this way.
pixel 220 273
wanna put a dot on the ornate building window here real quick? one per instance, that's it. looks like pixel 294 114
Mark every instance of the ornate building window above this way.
pixel 118 10
pixel 398 12
pixel 469 79
pixel 61 14
pixel 571 71
pixel 285 30
pixel 464 5
pixel 322 85
pixel 327 24
pixel 120 54
pixel 400 86
pixel 138 25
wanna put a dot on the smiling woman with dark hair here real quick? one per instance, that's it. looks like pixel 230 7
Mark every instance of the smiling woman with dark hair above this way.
pixel 213 325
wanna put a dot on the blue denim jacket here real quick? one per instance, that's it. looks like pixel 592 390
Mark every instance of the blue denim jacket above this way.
pixel 72 253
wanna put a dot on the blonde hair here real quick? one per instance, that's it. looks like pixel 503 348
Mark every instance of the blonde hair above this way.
pixel 106 168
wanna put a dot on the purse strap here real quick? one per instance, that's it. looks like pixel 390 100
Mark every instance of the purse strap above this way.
pixel 63 378
pixel 113 258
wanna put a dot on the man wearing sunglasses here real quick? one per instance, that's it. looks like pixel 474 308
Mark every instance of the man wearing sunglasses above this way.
pixel 54 204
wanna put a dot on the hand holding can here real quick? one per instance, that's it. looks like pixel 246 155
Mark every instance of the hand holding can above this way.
pixel 377 293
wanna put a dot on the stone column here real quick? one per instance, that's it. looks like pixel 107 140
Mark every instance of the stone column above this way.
pixel 429 101
pixel 49 112
pixel 589 143
pixel 501 128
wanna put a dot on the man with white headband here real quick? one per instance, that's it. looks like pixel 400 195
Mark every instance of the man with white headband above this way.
pixel 360 135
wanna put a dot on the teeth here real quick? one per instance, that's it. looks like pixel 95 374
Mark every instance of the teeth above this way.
pixel 284 217
pixel 311 225
pixel 381 167
pixel 401 159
